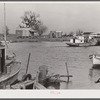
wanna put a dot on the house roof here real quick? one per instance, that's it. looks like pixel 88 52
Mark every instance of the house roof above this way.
pixel 87 33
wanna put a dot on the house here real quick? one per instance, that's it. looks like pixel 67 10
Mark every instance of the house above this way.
pixel 22 32
pixel 55 34
pixel 96 34
pixel 25 32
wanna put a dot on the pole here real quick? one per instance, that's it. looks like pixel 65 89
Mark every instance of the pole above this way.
pixel 4 22
pixel 5 28
pixel 28 63
pixel 67 71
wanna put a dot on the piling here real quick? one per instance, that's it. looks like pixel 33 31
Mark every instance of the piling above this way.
pixel 67 71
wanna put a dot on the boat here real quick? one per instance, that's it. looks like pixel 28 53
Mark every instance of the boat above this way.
pixel 95 60
pixel 78 44
pixel 9 66
pixel 41 81
pixel 51 83
pixel 80 41
pixel 9 69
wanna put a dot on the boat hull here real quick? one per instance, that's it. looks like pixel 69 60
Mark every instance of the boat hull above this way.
pixel 78 44
pixel 8 78
pixel 96 61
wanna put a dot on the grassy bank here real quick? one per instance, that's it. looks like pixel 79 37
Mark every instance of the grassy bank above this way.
pixel 14 38
pixel 41 39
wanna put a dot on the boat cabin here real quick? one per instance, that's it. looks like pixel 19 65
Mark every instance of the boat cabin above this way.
pixel 79 39
pixel 2 60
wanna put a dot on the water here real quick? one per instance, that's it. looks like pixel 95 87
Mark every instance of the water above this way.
pixel 55 54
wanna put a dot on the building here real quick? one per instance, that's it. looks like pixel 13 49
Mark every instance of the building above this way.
pixel 25 32
pixel 96 35
pixel 55 34
pixel 22 32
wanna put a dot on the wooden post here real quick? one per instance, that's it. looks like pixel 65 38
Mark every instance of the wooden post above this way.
pixel 28 63
pixel 36 80
pixel 67 71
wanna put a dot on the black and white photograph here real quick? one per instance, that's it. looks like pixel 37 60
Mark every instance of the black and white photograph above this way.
pixel 49 46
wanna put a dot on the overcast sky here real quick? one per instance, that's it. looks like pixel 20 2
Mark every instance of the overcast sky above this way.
pixel 66 17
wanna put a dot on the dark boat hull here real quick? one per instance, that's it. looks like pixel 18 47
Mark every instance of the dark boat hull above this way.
pixel 95 60
pixel 96 66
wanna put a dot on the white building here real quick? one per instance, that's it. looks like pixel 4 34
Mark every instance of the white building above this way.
pixel 23 32
pixel 55 34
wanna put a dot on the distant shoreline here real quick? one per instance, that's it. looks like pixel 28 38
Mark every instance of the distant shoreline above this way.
pixel 42 40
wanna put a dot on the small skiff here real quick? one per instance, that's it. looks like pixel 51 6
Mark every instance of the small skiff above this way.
pixel 95 60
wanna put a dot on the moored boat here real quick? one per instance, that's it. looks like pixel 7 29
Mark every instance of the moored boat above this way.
pixel 95 60
pixel 41 81
pixel 9 69
pixel 78 44
pixel 9 66
pixel 82 41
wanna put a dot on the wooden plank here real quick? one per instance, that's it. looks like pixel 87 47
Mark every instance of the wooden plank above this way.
pixel 39 86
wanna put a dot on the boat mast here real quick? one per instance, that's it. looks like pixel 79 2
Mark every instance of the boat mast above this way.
pixel 4 23
pixel 5 28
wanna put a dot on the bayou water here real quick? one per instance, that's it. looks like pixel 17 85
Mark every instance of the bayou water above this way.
pixel 54 55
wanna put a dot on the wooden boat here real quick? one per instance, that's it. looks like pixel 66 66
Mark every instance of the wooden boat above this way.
pixel 78 44
pixel 81 42
pixel 9 69
pixel 31 84
pixel 50 83
pixel 95 60
pixel 41 81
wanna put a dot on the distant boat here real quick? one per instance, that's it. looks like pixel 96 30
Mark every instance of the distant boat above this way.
pixel 95 60
pixel 80 42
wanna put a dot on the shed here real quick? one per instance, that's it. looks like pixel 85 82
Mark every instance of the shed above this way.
pixel 23 32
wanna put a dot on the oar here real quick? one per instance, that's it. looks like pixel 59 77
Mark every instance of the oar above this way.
pixel 57 75
pixel 66 76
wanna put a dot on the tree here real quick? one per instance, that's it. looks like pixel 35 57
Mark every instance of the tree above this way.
pixel 41 29
pixel 79 32
pixel 7 30
pixel 71 34
pixel 32 20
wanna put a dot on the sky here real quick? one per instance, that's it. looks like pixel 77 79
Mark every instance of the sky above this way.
pixel 66 16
